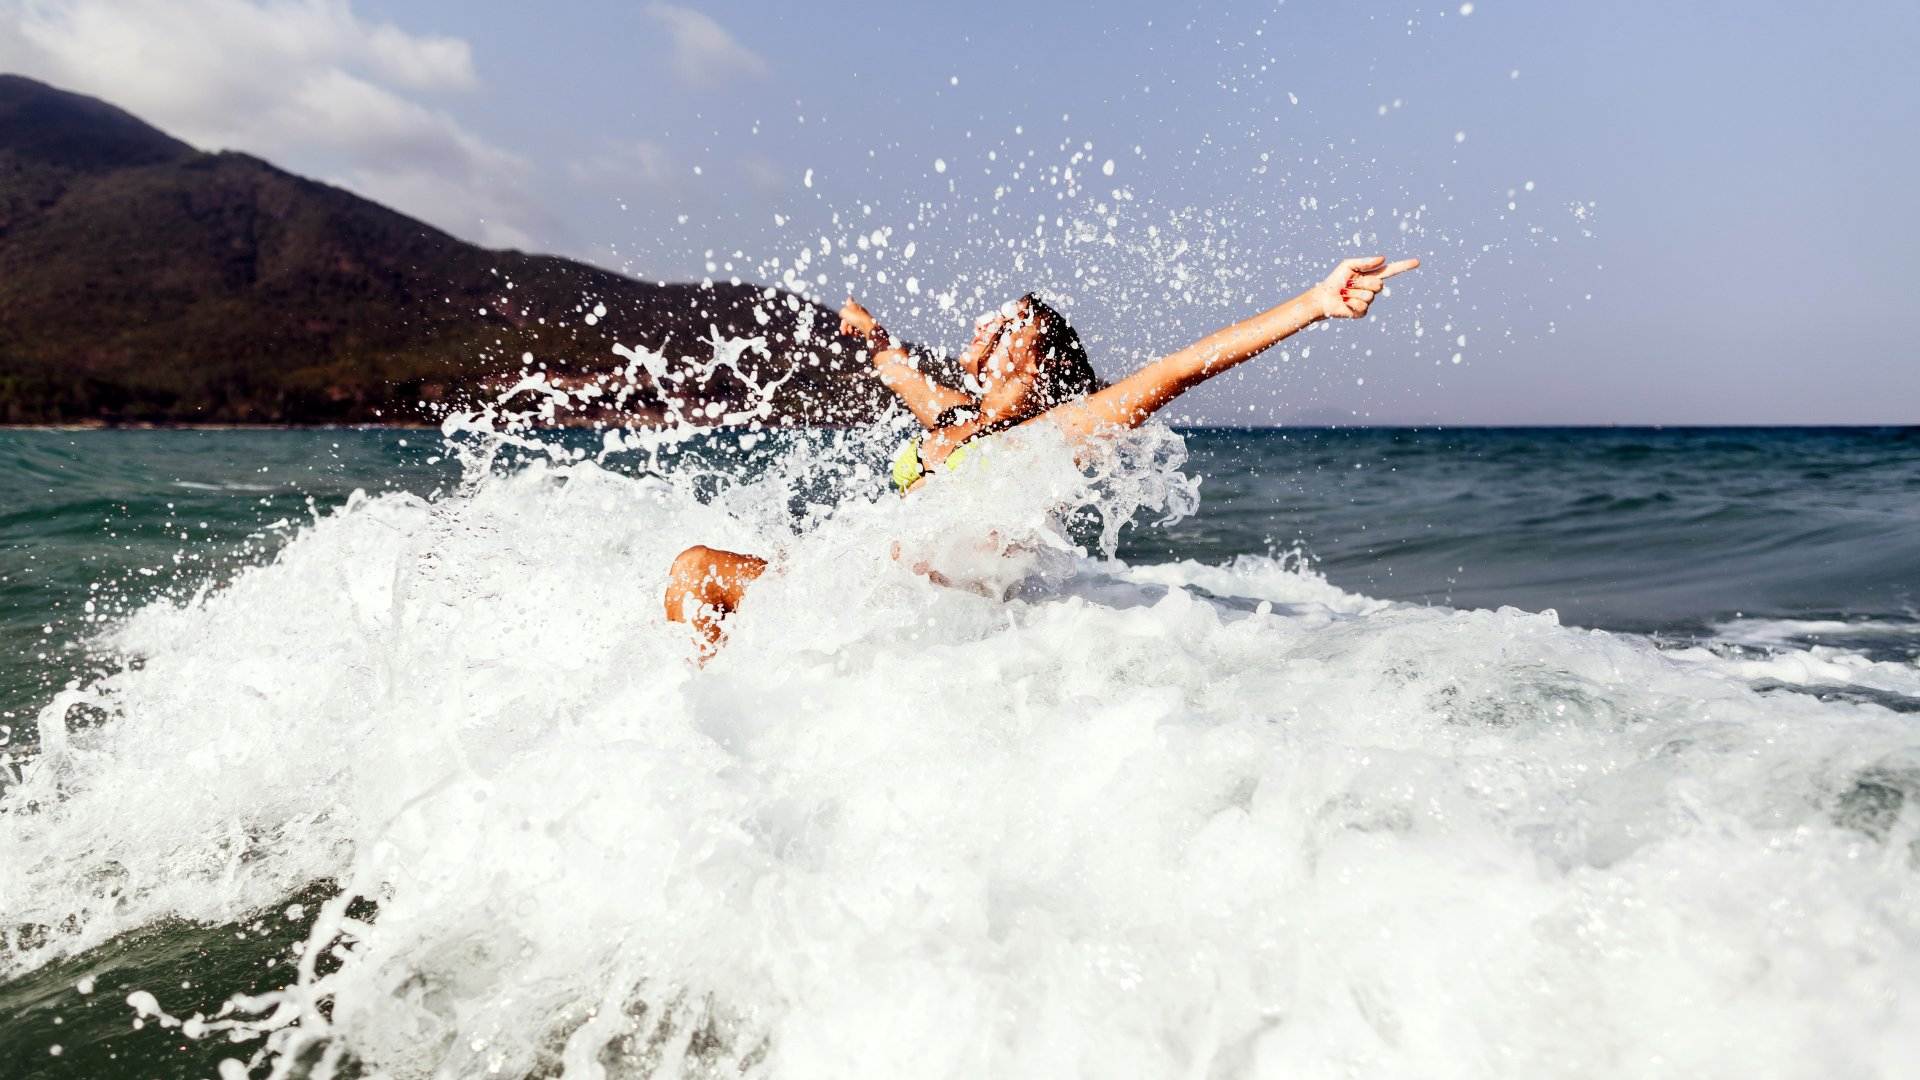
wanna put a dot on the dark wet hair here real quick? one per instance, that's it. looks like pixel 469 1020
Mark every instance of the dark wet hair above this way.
pixel 1065 371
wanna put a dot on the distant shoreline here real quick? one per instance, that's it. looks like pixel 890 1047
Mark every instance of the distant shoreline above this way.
pixel 191 426
pixel 149 425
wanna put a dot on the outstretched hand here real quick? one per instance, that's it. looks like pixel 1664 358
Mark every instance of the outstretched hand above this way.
pixel 856 321
pixel 1347 292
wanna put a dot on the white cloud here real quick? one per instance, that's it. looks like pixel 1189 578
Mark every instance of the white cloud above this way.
pixel 704 54
pixel 637 161
pixel 307 84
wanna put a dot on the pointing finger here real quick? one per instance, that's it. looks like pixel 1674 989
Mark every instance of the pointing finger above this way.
pixel 1400 267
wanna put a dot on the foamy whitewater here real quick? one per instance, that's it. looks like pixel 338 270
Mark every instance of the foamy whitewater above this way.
pixel 1076 818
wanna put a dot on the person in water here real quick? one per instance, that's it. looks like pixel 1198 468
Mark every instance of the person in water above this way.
pixel 1026 365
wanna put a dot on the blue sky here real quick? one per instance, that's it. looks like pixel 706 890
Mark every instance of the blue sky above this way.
pixel 1630 212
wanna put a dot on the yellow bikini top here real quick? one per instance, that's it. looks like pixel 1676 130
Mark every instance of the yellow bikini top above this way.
pixel 908 468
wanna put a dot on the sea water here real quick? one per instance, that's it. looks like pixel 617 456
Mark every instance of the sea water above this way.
pixel 1233 753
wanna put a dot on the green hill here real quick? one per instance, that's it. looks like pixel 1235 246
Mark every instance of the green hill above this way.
pixel 142 280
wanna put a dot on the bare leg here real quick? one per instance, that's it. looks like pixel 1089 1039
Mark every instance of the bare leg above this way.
pixel 704 586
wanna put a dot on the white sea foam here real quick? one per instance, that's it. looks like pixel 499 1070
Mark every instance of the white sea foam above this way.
pixel 1816 666
pixel 1077 819
pixel 1795 632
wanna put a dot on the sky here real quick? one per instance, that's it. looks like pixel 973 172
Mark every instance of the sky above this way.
pixel 1629 212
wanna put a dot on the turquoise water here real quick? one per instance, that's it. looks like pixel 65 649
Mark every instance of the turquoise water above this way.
pixel 121 517
pixel 1745 731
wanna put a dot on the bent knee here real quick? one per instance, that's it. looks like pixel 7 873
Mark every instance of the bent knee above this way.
pixel 693 564
pixel 702 576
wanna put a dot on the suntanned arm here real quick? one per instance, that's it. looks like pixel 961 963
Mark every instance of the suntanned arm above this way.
pixel 923 397
pixel 1129 402
pixel 1346 293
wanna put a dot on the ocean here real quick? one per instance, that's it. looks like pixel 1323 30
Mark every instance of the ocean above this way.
pixel 1544 752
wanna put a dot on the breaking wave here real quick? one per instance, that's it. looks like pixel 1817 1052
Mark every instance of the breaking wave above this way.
pixel 1072 817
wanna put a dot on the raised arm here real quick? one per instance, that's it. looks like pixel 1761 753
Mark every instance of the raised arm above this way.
pixel 1345 294
pixel 923 397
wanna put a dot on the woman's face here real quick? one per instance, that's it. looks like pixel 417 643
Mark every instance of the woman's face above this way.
pixel 1003 364
pixel 988 329
pixel 1005 345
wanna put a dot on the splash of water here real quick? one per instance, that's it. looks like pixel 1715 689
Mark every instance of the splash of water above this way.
pixel 1076 817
